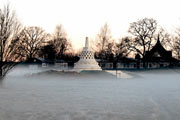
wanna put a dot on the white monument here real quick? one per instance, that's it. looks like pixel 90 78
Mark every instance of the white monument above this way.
pixel 87 61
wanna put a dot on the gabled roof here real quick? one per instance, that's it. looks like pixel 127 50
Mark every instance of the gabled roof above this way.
pixel 159 53
pixel 158 49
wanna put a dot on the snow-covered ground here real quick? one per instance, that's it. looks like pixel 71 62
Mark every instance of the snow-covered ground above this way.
pixel 35 94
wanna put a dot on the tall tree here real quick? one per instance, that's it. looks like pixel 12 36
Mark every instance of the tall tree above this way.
pixel 121 48
pixel 48 52
pixel 177 48
pixel 176 44
pixel 165 38
pixel 104 37
pixel 9 31
pixel 60 41
pixel 110 51
pixel 31 40
pixel 104 42
pixel 143 31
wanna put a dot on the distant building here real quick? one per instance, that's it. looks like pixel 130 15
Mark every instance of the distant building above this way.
pixel 40 62
pixel 106 64
pixel 128 63
pixel 34 61
pixel 61 64
pixel 158 57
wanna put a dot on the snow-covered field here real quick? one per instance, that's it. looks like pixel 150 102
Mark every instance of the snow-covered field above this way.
pixel 30 94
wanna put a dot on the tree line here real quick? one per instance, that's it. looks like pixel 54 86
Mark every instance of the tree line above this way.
pixel 143 35
pixel 19 43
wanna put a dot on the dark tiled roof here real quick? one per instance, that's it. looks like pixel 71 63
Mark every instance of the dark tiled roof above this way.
pixel 165 56
pixel 160 49
pixel 127 60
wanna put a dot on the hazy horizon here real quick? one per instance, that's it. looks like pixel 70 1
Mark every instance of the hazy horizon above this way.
pixel 83 18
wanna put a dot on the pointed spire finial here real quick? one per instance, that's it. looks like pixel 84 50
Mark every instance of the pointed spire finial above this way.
pixel 158 39
pixel 87 42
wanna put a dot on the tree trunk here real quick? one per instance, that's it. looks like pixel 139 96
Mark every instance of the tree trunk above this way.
pixel 144 62
pixel 30 56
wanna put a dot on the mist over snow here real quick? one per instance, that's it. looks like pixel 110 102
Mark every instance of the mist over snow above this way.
pixel 36 94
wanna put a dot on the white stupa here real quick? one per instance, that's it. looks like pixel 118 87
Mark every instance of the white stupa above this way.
pixel 87 61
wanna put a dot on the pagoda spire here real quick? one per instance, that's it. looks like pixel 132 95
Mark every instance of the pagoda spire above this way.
pixel 87 42
pixel 87 60
pixel 158 39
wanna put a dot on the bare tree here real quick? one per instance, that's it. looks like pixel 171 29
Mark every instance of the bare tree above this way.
pixel 121 49
pixel 165 38
pixel 143 31
pixel 9 31
pixel 30 41
pixel 60 41
pixel 103 37
pixel 177 48
pixel 176 44
pixel 47 52
pixel 109 52
pixel 104 42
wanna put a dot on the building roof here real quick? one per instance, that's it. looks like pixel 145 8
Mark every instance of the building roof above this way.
pixel 33 60
pixel 159 54
pixel 60 61
pixel 37 60
pixel 127 60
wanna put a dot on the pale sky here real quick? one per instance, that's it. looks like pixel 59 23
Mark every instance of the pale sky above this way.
pixel 82 18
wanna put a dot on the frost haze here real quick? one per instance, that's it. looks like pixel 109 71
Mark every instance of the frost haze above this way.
pixel 28 94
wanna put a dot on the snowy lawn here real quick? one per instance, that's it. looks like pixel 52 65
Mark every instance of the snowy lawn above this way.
pixel 35 94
